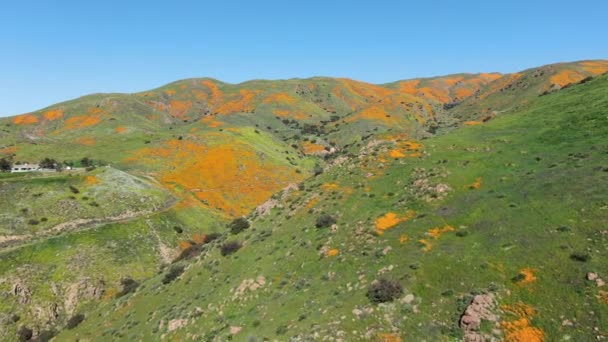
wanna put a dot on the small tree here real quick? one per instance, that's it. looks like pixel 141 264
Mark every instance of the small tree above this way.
pixel 230 247
pixel 238 225
pixel 5 165
pixel 318 169
pixel 384 290
pixel 86 162
pixel 174 272
pixel 128 285
pixel 48 163
pixel 325 221
pixel 74 321
pixel 24 334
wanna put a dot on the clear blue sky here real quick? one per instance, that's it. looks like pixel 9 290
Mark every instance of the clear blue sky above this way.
pixel 58 50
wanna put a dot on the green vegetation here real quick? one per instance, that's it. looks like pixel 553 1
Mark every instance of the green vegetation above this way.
pixel 425 204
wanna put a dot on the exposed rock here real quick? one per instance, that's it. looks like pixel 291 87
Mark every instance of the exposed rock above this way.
pixel 177 323
pixel 480 309
pixel 21 291
pixel 599 282
pixel 84 289
pixel 408 299
pixel 249 285
pixel 235 330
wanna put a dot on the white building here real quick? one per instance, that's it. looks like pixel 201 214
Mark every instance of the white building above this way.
pixel 25 168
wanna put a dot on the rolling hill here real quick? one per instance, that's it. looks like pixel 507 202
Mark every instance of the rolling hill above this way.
pixel 470 206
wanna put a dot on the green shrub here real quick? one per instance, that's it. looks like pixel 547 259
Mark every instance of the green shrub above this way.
pixel 384 290
pixel 24 334
pixel 325 221
pixel 238 225
pixel 230 247
pixel 128 285
pixel 174 272
pixel 74 321
pixel 580 256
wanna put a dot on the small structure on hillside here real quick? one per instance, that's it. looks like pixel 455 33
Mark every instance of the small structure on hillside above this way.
pixel 25 167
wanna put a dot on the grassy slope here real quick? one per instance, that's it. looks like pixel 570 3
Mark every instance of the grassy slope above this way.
pixel 515 181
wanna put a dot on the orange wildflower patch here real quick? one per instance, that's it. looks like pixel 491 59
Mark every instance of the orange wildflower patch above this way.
pixel 87 141
pixel 231 178
pixel 200 95
pixel 216 93
pixel 310 148
pixel 179 108
pixel 389 337
pixel 332 252
pixel 519 329
pixel 366 89
pixel 82 121
pixel 120 129
pixel 476 184
pixel 329 186
pixel 281 112
pixel 372 113
pixel 311 203
pixel 409 87
pixel 566 77
pixel 282 98
pixel 183 245
pixel 211 122
pixel 389 220
pixel 529 276
pixel 500 83
pixel 406 149
pixel 53 114
pixel 170 92
pixel 427 245
pixel 199 238
pixel 8 150
pixel 438 231
pixel 403 239
pixel 110 294
pixel 243 103
pixel 472 123
pixel 463 92
pixel 396 154
pixel 95 111
pixel 92 180
pixel 595 67
pixel 603 296
pixel 25 119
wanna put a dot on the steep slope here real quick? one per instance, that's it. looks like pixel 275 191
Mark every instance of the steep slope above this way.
pixel 513 209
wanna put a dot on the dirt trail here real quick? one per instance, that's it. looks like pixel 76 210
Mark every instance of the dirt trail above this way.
pixel 80 225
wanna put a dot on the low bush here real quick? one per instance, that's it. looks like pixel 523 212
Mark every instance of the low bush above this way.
pixel 230 247
pixel 24 334
pixel 325 221
pixel 174 272
pixel 74 321
pixel 384 290
pixel 579 256
pixel 238 225
pixel 128 285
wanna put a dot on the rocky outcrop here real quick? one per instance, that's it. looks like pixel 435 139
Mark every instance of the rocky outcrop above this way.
pixel 21 291
pixel 481 308
pixel 84 289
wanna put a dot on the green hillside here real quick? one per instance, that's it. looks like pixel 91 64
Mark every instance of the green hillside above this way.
pixel 523 220
pixel 376 212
